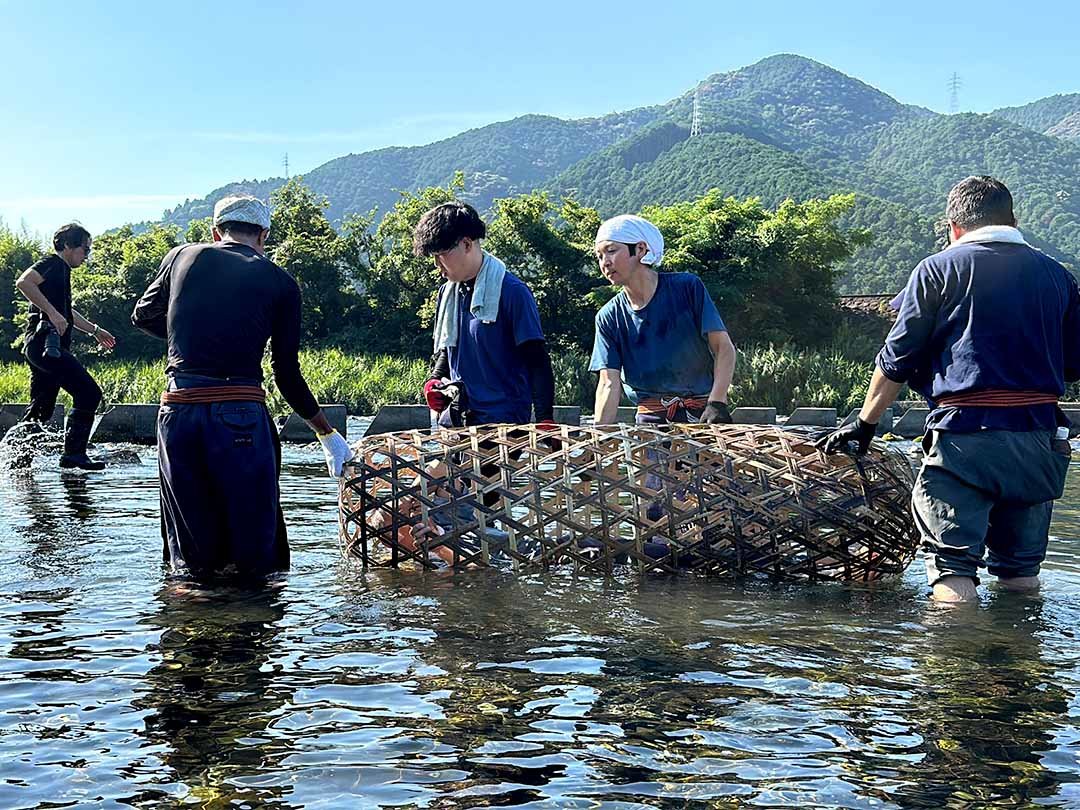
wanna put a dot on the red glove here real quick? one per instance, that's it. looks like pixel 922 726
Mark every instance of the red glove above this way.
pixel 550 426
pixel 436 399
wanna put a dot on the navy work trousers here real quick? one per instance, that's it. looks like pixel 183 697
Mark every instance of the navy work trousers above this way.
pixel 218 465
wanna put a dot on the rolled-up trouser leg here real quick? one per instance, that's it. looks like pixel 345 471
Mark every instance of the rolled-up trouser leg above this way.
pixel 952 518
pixel 991 489
pixel 1017 538
pixel 218 466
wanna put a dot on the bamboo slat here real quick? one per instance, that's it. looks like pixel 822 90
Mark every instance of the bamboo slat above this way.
pixel 715 499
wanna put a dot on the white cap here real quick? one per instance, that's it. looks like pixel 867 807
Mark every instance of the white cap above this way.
pixel 242 208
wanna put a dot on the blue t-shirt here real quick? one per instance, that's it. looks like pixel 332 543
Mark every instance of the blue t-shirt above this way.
pixel 986 316
pixel 486 359
pixel 662 348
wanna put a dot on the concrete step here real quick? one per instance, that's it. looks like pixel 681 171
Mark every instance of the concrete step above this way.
pixel 11 413
pixel 295 429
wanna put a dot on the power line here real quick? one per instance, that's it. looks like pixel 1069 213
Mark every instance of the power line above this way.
pixel 285 163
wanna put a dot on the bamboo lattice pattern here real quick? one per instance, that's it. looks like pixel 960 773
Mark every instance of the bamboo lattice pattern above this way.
pixel 717 499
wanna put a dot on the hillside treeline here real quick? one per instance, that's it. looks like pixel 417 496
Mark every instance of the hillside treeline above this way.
pixel 771 272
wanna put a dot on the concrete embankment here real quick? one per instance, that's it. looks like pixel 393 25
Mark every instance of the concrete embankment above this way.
pixel 138 423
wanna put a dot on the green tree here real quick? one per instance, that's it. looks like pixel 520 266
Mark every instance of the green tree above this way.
pixel 554 257
pixel 400 287
pixel 198 230
pixel 772 274
pixel 304 244
pixel 18 250
pixel 107 286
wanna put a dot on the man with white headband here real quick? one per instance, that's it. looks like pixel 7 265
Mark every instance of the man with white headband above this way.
pixel 660 336
pixel 219 457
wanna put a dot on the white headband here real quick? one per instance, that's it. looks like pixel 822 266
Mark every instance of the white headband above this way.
pixel 631 229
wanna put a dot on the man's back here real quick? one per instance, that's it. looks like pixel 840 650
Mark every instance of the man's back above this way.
pixel 225 301
pixel 987 317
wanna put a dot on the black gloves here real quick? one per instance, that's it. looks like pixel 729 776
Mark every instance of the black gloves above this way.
pixel 858 431
pixel 715 413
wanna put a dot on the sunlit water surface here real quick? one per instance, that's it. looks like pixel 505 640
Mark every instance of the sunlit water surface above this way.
pixel 386 689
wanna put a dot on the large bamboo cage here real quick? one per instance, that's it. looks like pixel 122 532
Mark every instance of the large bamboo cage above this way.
pixel 716 499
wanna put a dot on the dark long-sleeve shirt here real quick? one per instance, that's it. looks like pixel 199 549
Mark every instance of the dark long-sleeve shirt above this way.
pixel 986 316
pixel 537 360
pixel 218 305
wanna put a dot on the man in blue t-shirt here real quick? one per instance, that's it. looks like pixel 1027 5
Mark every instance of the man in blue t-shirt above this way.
pixel 660 336
pixel 989 331
pixel 491 363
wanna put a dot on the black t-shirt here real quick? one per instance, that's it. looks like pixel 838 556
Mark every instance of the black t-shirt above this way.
pixel 218 305
pixel 56 287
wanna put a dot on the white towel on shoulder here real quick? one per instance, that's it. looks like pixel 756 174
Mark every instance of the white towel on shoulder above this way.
pixel 992 233
pixel 487 291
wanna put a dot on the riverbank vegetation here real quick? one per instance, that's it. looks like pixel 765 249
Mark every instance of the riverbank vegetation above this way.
pixel 369 302
pixel 783 377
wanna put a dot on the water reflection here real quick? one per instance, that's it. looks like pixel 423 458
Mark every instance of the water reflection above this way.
pixel 387 689
pixel 212 689
pixel 987 709
pixel 55 532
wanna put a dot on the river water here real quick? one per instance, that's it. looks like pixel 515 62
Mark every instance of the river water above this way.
pixel 348 688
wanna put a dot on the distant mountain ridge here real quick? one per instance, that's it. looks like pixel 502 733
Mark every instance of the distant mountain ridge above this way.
pixel 1051 115
pixel 786 126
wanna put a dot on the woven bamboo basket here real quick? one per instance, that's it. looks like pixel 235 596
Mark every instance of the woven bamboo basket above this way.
pixel 716 499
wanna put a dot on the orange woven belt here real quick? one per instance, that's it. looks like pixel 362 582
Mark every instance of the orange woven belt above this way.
pixel 998 398
pixel 217 393
pixel 670 405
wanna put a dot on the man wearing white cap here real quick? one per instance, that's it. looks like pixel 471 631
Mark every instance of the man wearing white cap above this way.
pixel 660 336
pixel 218 453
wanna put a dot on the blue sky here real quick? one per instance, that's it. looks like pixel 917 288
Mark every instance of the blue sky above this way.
pixel 115 110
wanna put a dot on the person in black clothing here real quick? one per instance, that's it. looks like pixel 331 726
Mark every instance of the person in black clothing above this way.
pixel 218 453
pixel 47 344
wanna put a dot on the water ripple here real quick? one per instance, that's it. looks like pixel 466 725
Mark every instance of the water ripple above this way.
pixel 380 688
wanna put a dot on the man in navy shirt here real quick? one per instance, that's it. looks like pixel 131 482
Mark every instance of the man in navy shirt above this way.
pixel 989 331
pixel 491 363
pixel 662 331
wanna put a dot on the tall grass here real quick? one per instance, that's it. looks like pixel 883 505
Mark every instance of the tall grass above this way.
pixel 783 377
pixel 362 383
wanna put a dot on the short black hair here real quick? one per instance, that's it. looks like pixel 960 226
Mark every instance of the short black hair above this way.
pixel 444 226
pixel 631 247
pixel 240 228
pixel 978 201
pixel 72 235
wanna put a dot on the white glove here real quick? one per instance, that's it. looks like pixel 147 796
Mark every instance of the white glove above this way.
pixel 337 452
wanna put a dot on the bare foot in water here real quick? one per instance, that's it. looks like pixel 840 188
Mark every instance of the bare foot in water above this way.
pixel 955 590
pixel 1019 583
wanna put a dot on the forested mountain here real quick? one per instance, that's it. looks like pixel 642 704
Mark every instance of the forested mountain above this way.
pixel 498 160
pixel 1068 127
pixel 785 127
pixel 1051 115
